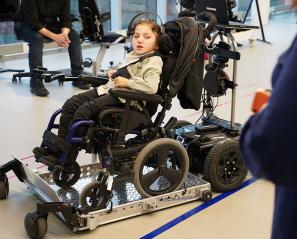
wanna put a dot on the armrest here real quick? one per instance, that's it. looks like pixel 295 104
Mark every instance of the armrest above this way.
pixel 93 80
pixel 134 95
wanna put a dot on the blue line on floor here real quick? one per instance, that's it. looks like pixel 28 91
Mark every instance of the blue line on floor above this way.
pixel 195 210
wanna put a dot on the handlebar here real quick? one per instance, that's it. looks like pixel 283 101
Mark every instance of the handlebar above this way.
pixel 211 19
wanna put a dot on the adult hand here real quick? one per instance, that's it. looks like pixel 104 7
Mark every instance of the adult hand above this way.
pixel 120 81
pixel 62 40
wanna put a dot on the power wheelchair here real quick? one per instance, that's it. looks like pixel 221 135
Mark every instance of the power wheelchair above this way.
pixel 128 141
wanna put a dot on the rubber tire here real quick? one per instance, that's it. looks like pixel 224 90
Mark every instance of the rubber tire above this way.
pixel 212 161
pixel 85 192
pixel 146 151
pixel 66 184
pixel 4 187
pixel 181 123
pixel 35 228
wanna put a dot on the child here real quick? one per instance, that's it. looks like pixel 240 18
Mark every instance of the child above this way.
pixel 142 76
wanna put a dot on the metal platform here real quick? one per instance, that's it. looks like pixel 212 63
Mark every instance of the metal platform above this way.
pixel 126 201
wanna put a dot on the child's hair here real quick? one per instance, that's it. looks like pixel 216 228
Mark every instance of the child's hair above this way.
pixel 154 26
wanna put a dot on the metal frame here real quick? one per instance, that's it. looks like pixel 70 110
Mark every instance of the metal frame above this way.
pixel 126 201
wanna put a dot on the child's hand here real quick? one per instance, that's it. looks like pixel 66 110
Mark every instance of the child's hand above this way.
pixel 111 72
pixel 120 81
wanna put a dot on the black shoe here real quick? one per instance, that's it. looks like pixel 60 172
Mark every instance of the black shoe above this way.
pixel 37 88
pixel 81 85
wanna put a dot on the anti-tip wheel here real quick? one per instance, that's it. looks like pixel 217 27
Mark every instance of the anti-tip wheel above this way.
pixel 36 227
pixel 4 187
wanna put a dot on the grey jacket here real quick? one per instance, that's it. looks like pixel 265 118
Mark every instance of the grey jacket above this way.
pixel 145 77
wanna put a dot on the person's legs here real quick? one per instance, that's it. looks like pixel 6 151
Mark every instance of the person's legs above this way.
pixel 70 107
pixel 35 41
pixel 75 53
pixel 76 61
pixel 88 111
pixel 45 155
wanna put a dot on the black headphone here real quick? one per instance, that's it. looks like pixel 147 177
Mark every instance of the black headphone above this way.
pixel 131 25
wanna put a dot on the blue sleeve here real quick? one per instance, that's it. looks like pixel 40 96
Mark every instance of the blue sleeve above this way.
pixel 269 139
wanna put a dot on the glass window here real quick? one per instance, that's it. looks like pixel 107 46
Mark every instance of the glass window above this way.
pixel 172 10
pixel 277 6
pixel 7 35
pixel 131 7
pixel 103 6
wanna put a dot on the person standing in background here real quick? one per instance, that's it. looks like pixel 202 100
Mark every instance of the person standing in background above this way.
pixel 268 143
pixel 42 21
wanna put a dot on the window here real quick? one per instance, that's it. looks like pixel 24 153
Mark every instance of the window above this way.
pixel 103 6
pixel 131 7
pixel 7 35
pixel 172 10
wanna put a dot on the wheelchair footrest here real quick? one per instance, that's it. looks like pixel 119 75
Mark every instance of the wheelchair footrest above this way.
pixel 49 160
pixel 55 143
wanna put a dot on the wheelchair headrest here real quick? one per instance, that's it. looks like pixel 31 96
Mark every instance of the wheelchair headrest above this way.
pixel 165 44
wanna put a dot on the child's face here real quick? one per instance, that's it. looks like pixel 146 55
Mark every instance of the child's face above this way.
pixel 144 39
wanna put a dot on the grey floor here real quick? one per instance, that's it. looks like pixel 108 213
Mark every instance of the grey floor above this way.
pixel 245 214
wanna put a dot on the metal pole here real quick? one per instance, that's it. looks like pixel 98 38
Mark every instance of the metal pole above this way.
pixel 231 38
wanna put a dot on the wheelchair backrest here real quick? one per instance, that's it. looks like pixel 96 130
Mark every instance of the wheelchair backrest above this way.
pixel 182 40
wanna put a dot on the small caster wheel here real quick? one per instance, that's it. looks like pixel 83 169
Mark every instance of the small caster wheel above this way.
pixel 206 196
pixel 66 178
pixel 95 196
pixel 36 227
pixel 4 187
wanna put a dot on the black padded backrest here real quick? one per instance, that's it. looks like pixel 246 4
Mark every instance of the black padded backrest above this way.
pixel 169 63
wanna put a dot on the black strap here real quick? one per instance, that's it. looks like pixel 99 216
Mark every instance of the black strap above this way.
pixel 124 72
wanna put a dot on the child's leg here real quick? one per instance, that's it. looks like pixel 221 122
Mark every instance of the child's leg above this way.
pixel 70 107
pixel 88 111
pixel 68 110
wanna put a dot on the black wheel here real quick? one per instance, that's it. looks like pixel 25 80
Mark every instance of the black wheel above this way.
pixel 4 187
pixel 162 166
pixel 223 167
pixel 94 196
pixel 181 123
pixel 87 62
pixel 66 178
pixel 36 227
pixel 14 80
pixel 206 196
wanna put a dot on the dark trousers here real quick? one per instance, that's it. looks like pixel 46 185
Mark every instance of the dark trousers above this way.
pixel 85 106
pixel 36 41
